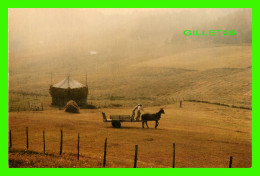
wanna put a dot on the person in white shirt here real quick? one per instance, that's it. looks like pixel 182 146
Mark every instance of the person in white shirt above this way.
pixel 138 107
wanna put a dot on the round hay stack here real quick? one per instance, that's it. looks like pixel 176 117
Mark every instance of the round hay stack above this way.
pixel 72 107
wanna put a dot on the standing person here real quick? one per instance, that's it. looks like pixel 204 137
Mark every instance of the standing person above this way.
pixel 138 108
pixel 138 112
pixel 133 113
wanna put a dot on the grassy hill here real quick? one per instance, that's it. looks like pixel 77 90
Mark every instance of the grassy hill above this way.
pixel 140 56
pixel 138 60
pixel 218 74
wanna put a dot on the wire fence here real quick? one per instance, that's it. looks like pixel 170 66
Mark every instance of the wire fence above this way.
pixel 78 155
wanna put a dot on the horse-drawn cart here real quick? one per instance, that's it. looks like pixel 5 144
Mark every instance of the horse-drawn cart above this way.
pixel 117 119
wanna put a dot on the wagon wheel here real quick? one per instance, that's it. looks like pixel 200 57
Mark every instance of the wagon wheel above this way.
pixel 116 124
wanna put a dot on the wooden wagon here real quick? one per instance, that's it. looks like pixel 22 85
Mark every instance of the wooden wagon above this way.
pixel 117 119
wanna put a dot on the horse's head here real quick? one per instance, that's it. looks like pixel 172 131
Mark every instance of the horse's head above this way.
pixel 162 111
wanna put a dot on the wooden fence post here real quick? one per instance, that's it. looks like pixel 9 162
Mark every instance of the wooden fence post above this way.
pixel 78 146
pixel 135 161
pixel 105 153
pixel 230 162
pixel 173 159
pixel 27 138
pixel 61 139
pixel 10 137
pixel 43 141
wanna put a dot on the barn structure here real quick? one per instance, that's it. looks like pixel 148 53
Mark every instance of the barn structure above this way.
pixel 68 89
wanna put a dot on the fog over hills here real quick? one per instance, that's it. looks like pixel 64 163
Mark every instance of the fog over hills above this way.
pixel 133 53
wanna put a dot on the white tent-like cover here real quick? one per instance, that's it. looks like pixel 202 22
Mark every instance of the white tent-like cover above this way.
pixel 68 83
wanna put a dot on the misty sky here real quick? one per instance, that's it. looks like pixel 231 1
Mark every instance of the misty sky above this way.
pixel 33 27
pixel 51 38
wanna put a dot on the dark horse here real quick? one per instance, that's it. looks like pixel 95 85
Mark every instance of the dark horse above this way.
pixel 152 117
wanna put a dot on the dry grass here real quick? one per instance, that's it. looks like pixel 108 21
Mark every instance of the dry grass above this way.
pixel 138 61
pixel 205 136
pixel 221 74
pixel 205 58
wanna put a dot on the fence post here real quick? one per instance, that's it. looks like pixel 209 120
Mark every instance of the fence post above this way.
pixel 173 159
pixel 61 138
pixel 78 146
pixel 10 137
pixel 43 141
pixel 135 161
pixel 27 138
pixel 105 153
pixel 230 162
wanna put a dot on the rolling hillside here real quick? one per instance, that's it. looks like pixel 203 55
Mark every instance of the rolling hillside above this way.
pixel 195 74
pixel 138 60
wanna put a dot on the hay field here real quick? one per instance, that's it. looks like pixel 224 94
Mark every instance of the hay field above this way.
pixel 205 136
pixel 141 56
pixel 196 73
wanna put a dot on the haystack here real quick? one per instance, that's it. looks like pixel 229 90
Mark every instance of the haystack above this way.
pixel 72 106
pixel 68 89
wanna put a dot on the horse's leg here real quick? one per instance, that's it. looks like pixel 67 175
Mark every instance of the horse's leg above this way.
pixel 146 124
pixel 156 124
pixel 142 124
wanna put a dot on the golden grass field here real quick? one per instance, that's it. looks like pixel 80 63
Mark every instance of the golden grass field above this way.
pixel 141 57
pixel 221 74
pixel 205 135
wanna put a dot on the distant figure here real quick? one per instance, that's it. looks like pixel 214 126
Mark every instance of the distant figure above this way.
pixel 181 104
pixel 138 107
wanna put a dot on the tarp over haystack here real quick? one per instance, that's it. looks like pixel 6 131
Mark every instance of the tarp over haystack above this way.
pixel 68 89
pixel 72 107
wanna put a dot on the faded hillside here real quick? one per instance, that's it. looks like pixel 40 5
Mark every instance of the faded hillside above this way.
pixel 142 54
